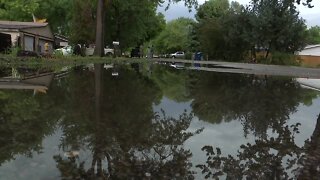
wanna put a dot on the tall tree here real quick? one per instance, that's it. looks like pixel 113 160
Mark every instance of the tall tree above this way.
pixel 277 26
pixel 132 23
pixel 175 36
pixel 313 35
pixel 101 22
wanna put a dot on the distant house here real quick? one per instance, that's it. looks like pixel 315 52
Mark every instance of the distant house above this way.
pixel 29 36
pixel 310 55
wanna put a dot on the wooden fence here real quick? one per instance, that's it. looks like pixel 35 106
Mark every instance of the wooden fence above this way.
pixel 312 61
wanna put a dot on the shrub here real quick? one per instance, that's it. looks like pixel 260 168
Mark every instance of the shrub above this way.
pixel 188 55
pixel 280 58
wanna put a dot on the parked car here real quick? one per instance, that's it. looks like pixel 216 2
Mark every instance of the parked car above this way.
pixel 178 54
pixel 177 65
pixel 66 51
pixel 107 51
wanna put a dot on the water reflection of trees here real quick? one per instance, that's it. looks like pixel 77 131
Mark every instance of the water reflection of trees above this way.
pixel 269 158
pixel 118 126
pixel 25 120
pixel 258 102
pixel 171 82
pixel 261 104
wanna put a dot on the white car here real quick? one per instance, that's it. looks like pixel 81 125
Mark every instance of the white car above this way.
pixel 178 54
pixel 107 51
pixel 66 51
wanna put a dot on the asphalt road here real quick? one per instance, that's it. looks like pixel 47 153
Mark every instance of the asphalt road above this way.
pixel 247 68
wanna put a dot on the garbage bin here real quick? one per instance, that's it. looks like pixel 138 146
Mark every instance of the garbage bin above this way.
pixel 197 57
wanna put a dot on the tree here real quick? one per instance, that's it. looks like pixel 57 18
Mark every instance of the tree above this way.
pixel 313 35
pixel 132 24
pixel 268 158
pixel 82 22
pixel 277 26
pixel 212 9
pixel 99 45
pixel 101 22
pixel 172 83
pixel 175 36
pixel 57 13
pixel 18 10
pixel 259 103
pixel 26 119
pixel 118 127
pixel 222 30
pixel 276 157
pixel 311 160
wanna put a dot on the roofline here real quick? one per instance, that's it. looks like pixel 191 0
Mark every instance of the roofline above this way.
pixel 312 46
pixel 9 30
pixel 61 37
pixel 25 25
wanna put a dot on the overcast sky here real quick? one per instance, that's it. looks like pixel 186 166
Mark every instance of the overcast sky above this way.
pixel 312 16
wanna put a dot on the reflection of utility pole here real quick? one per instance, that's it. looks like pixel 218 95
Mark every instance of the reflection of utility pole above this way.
pixel 97 81
pixel 97 150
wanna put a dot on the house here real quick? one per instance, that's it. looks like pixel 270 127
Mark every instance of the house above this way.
pixel 310 55
pixel 29 36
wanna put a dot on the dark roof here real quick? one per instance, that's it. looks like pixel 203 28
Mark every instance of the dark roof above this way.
pixel 20 25
pixel 61 37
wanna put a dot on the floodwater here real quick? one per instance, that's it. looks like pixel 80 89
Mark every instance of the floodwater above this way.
pixel 143 121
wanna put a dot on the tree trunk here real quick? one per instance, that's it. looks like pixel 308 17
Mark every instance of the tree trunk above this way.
pixel 99 49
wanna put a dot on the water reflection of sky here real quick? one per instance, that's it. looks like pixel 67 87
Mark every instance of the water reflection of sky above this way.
pixel 229 135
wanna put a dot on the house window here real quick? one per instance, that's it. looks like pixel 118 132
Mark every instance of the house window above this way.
pixel 28 43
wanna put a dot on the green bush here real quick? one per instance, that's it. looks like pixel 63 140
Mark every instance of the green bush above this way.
pixel 188 55
pixel 13 51
pixel 280 58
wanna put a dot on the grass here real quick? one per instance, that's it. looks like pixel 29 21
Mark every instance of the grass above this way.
pixel 8 60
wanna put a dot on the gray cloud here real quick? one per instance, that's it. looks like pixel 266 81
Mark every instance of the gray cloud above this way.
pixel 312 16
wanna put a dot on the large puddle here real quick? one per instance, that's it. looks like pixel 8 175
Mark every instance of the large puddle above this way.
pixel 147 121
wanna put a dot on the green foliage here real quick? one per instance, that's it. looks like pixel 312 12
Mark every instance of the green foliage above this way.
pixel 313 35
pixel 82 22
pixel 258 102
pixel 25 121
pixel 280 58
pixel 13 51
pixel 172 83
pixel 132 23
pixel 175 36
pixel 188 55
pixel 212 9
pixel 222 30
pixel 231 32
pixel 18 10
pixel 58 14
pixel 277 26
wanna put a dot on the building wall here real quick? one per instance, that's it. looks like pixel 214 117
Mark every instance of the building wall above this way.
pixel 313 61
pixel 42 46
pixel 310 52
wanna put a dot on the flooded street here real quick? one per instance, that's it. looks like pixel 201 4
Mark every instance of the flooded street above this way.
pixel 152 121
